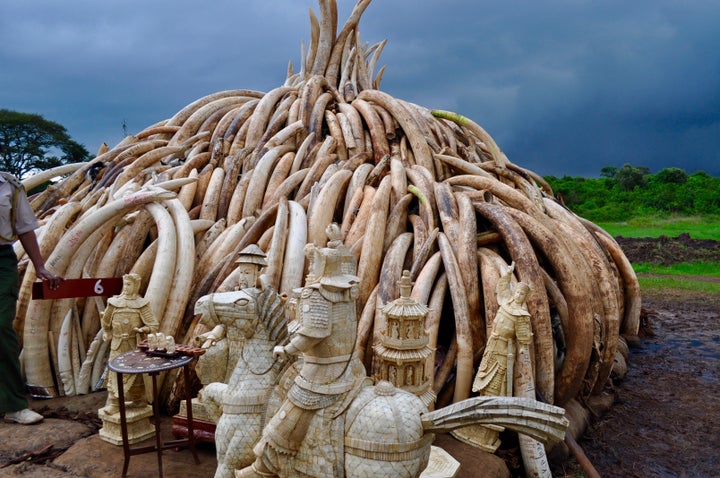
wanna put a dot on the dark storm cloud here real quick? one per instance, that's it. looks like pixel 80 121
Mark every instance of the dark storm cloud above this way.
pixel 564 87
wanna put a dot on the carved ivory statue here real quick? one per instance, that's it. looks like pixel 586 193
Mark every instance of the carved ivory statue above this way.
pixel 238 370
pixel 221 342
pixel 511 330
pixel 330 369
pixel 322 416
pixel 125 319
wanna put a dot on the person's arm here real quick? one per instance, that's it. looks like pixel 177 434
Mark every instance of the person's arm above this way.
pixel 30 244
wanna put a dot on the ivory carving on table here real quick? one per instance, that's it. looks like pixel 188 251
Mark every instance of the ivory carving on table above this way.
pixel 161 343
pixel 125 319
pixel 511 331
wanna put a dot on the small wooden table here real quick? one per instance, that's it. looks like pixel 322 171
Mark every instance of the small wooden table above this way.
pixel 139 362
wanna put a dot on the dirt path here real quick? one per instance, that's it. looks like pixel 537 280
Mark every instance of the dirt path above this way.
pixel 66 444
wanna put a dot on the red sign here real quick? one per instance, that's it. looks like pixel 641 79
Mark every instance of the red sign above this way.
pixel 107 286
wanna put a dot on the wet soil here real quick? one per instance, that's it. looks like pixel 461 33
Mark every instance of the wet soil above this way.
pixel 669 250
pixel 664 422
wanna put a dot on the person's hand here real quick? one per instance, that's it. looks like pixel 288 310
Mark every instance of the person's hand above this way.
pixel 53 280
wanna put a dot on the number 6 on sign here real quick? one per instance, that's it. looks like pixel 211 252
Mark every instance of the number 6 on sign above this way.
pixel 107 286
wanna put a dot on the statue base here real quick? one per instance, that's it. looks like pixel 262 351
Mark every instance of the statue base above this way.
pixel 203 425
pixel 138 424
pixel 484 437
pixel 441 464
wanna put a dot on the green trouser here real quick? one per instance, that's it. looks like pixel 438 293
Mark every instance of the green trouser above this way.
pixel 12 387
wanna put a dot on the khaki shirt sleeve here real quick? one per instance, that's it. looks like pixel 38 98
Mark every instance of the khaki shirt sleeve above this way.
pixel 25 220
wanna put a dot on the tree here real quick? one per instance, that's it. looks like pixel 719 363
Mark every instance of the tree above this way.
pixel 672 176
pixel 608 172
pixel 29 142
pixel 629 177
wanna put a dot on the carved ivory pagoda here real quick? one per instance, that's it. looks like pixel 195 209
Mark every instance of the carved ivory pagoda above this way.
pixel 403 352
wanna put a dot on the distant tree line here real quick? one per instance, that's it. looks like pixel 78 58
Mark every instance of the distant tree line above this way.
pixel 623 193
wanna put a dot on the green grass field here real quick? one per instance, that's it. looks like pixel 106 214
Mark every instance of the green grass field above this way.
pixel 706 269
pixel 685 276
pixel 650 282
pixel 697 227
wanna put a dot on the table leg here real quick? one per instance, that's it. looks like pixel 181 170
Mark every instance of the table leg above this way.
pixel 188 403
pixel 156 415
pixel 123 423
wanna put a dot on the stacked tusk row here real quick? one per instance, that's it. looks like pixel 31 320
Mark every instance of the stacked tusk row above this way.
pixel 427 191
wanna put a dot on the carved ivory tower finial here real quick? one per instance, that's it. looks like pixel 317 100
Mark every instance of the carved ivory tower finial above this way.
pixel 403 350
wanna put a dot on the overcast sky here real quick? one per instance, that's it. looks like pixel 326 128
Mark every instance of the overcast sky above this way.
pixel 565 87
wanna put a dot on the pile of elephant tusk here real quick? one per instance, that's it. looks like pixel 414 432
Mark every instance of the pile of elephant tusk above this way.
pixel 411 188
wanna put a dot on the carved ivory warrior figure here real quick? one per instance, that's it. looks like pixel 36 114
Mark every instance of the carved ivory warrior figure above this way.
pixel 511 329
pixel 325 338
pixel 222 341
pixel 126 317
pixel 511 324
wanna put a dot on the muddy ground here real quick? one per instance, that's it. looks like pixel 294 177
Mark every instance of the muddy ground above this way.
pixel 664 422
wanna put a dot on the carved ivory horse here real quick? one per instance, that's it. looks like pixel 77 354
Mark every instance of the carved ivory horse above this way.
pixel 384 431
pixel 238 406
